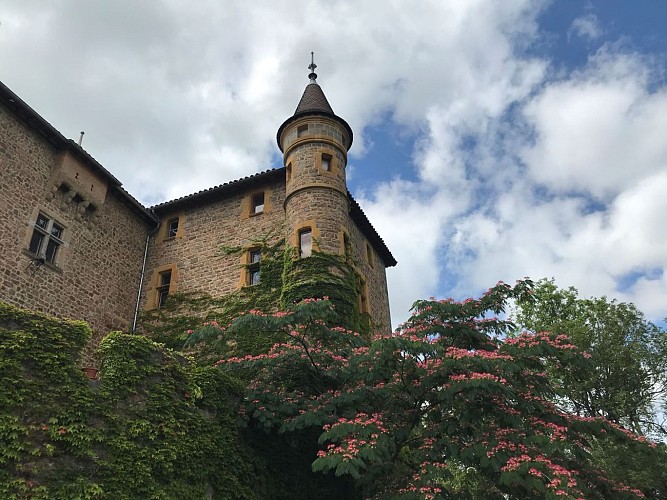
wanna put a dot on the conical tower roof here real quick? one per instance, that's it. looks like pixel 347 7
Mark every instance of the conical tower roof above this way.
pixel 313 102
pixel 313 99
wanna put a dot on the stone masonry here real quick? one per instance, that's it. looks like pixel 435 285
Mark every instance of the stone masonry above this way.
pixel 94 235
pixel 95 273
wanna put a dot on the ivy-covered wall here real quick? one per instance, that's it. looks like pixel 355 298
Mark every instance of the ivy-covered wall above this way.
pixel 284 281
pixel 152 426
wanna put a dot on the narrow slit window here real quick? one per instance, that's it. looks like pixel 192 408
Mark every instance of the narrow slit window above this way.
pixel 257 203
pixel 363 298
pixel 305 243
pixel 363 304
pixel 346 245
pixel 172 227
pixel 46 239
pixel 163 288
pixel 369 255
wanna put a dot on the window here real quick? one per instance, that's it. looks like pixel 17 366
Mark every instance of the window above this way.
pixel 164 280
pixel 326 163
pixel 305 243
pixel 369 254
pixel 172 227
pixel 289 172
pixel 257 203
pixel 363 304
pixel 301 130
pixel 346 245
pixel 46 239
pixel 254 257
pixel 363 298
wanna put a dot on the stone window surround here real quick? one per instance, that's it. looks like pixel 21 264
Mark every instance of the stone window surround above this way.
pixel 369 255
pixel 333 161
pixel 60 257
pixel 164 227
pixel 305 242
pixel 288 171
pixel 248 203
pixel 254 258
pixel 314 233
pixel 172 227
pixel 246 265
pixel 164 283
pixel 364 302
pixel 345 242
pixel 154 284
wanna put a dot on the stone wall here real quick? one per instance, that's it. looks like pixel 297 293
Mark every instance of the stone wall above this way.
pixel 197 256
pixel 95 274
pixel 372 270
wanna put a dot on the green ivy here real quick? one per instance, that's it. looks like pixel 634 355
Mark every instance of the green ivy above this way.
pixel 284 281
pixel 154 425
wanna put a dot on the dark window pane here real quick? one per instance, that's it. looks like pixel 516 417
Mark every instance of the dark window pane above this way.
pixel 254 277
pixel 173 228
pixel 305 243
pixel 42 221
pixel 162 295
pixel 51 250
pixel 258 203
pixel 57 231
pixel 35 242
pixel 255 256
pixel 165 279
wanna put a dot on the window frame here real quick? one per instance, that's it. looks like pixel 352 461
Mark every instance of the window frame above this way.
pixel 163 288
pixel 300 234
pixel 254 271
pixel 173 231
pixel 257 208
pixel 47 239
pixel 326 160
pixel 369 255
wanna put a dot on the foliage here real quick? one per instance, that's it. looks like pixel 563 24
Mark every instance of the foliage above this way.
pixel 324 275
pixel 153 426
pixel 186 312
pixel 441 404
pixel 626 379
pixel 285 280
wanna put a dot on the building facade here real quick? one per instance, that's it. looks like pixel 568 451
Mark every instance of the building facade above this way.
pixel 75 244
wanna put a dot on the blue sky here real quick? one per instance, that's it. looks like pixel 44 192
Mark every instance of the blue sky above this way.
pixel 493 140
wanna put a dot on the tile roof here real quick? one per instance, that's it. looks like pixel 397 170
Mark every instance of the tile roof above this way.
pixel 313 99
pixel 314 102
pixel 222 191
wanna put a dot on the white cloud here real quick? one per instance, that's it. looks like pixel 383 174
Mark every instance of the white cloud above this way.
pixel 586 26
pixel 600 130
pixel 516 172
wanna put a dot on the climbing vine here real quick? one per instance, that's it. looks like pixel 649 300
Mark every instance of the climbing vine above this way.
pixel 154 425
pixel 284 281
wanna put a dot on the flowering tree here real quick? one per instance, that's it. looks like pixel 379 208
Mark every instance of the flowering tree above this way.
pixel 444 403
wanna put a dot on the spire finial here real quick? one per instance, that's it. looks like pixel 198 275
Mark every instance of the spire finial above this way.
pixel 313 75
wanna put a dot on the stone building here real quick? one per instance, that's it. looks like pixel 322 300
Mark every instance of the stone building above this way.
pixel 75 244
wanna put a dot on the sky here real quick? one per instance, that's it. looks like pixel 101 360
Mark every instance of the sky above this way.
pixel 494 140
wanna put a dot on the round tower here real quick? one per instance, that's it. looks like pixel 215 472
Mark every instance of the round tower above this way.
pixel 315 142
